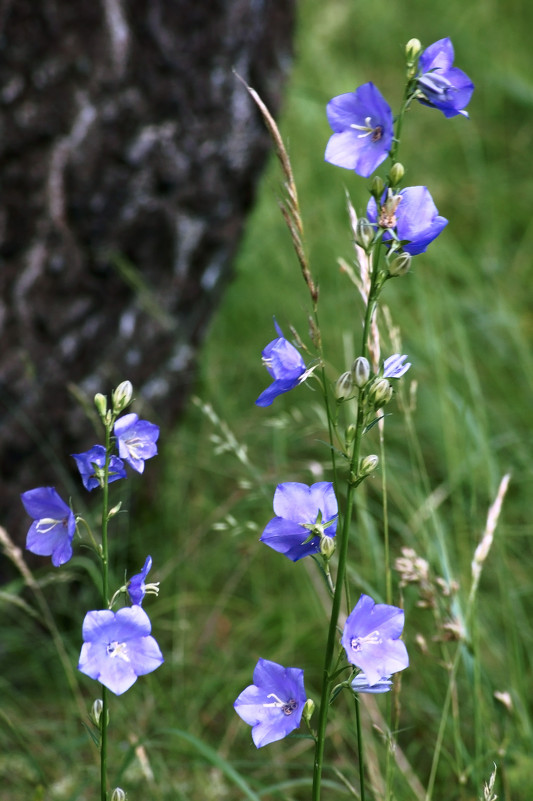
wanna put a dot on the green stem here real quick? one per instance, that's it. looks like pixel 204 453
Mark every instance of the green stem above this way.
pixel 343 549
pixel 360 750
pixel 105 599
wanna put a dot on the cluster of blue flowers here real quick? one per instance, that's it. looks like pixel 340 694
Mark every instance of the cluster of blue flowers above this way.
pixel 406 221
pixel 117 646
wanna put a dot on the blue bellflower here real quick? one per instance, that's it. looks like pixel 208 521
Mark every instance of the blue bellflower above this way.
pixel 136 440
pixel 414 217
pixel 274 703
pixel 371 639
pixel 285 365
pixel 304 514
pixel 91 466
pixel 395 366
pixel 442 85
pixel 136 586
pixel 54 524
pixel 363 128
pixel 118 648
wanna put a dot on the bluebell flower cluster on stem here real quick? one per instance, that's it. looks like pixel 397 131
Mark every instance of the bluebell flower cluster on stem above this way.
pixel 273 705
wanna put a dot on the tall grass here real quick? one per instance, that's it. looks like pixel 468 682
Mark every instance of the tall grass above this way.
pixel 465 319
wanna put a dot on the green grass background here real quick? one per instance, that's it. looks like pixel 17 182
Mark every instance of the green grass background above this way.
pixel 465 317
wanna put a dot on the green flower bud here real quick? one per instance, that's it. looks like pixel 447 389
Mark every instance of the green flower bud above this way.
pixel 377 188
pixel 309 708
pixel 412 50
pixel 100 401
pixel 361 371
pixel 350 433
pixel 364 233
pixel 118 794
pixel 122 396
pixel 400 264
pixel 344 386
pixel 96 712
pixel 380 392
pixel 396 174
pixel 327 546
pixel 368 464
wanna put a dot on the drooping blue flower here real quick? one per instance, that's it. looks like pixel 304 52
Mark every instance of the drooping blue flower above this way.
pixel 360 684
pixel 274 703
pixel 54 524
pixel 363 129
pixel 285 365
pixel 91 465
pixel 117 647
pixel 415 218
pixel 395 366
pixel 442 85
pixel 371 639
pixel 136 586
pixel 304 514
pixel 136 440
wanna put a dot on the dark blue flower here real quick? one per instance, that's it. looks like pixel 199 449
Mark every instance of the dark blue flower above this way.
pixel 360 684
pixel 91 465
pixel 395 366
pixel 362 125
pixel 285 365
pixel 412 214
pixel 136 586
pixel 117 647
pixel 54 524
pixel 304 515
pixel 371 639
pixel 136 440
pixel 442 85
pixel 274 703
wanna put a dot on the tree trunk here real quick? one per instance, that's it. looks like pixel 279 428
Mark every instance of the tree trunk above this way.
pixel 129 154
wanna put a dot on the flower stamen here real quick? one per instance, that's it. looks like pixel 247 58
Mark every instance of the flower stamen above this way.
pixel 119 649
pixel 287 707
pixel 358 643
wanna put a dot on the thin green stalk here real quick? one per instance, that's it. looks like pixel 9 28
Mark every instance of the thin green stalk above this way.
pixel 105 599
pixel 360 750
pixel 343 550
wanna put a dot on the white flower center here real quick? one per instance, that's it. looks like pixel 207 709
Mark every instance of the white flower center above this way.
pixel 358 643
pixel 375 131
pixel 287 707
pixel 118 649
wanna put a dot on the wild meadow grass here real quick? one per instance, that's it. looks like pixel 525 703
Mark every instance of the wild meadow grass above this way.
pixel 464 317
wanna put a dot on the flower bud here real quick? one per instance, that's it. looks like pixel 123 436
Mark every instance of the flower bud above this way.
pixel 118 794
pixel 344 386
pixel 327 546
pixel 377 188
pixel 100 401
pixel 96 711
pixel 400 264
pixel 361 371
pixel 364 233
pixel 380 393
pixel 412 49
pixel 396 173
pixel 368 464
pixel 350 433
pixel 122 396
pixel 309 708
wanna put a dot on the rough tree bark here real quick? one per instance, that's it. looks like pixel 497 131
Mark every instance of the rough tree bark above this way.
pixel 129 153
